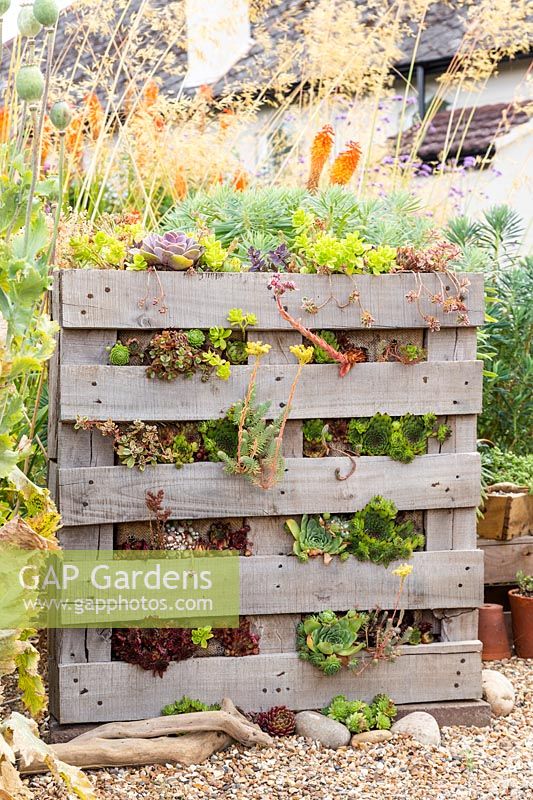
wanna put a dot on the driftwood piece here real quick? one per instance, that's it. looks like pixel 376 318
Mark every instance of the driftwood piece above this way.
pixel 238 727
pixel 189 749
pixel 154 741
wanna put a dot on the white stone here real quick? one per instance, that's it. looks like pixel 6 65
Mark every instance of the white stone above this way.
pixel 420 726
pixel 316 726
pixel 374 737
pixel 498 692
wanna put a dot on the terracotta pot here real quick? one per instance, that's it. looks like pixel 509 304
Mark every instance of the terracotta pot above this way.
pixel 522 617
pixel 493 633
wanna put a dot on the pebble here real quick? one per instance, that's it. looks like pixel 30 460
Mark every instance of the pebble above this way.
pixel 329 732
pixel 498 692
pixel 374 737
pixel 471 764
pixel 420 726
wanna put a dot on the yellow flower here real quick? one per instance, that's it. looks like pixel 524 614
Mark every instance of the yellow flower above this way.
pixel 302 353
pixel 257 349
pixel 403 570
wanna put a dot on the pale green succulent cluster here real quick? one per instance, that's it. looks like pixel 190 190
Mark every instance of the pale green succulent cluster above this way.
pixel 329 642
pixel 322 535
pixel 359 716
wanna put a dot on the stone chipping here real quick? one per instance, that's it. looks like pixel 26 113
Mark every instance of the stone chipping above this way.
pixel 492 763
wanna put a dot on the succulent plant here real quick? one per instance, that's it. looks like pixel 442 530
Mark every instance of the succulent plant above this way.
pixel 219 434
pixel 195 337
pixel 329 642
pixel 321 357
pixel 46 12
pixel 188 705
pixel 218 336
pixel 236 352
pixel 315 536
pixel 359 716
pixel 183 451
pixel 27 24
pixel 277 721
pixel 172 355
pixel 119 355
pixel 316 437
pixel 152 648
pixel 238 641
pixel 29 83
pixel 171 250
pixel 60 115
pixel 376 439
pixel 376 536
pixel 4 6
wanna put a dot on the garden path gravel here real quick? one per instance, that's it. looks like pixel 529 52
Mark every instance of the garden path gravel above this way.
pixel 493 763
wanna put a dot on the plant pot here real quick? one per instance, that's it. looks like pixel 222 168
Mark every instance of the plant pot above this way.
pixel 522 618
pixel 493 633
pixel 508 512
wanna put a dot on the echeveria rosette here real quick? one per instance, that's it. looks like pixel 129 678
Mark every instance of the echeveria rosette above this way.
pixel 314 537
pixel 170 250
pixel 329 642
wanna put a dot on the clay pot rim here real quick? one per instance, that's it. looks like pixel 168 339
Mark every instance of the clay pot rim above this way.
pixel 516 593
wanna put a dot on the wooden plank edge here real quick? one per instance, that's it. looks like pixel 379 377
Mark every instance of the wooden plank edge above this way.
pixel 97 692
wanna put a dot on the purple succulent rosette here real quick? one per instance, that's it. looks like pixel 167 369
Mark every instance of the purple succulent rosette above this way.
pixel 171 250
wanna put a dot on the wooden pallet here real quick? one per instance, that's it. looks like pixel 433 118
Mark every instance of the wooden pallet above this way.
pixel 95 495
pixel 504 559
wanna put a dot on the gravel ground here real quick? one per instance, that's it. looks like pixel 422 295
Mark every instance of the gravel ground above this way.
pixel 473 763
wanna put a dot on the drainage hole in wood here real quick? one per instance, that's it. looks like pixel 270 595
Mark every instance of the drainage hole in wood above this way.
pixel 466 569
pixel 425 379
pixel 463 661
pixel 459 585
pixel 279 378
pixel 99 703
pixel 85 504
pixel 90 296
pixel 75 680
pixel 456 685
pixel 83 312
pixel 264 691
pixel 107 289
pixel 91 483
pixel 93 383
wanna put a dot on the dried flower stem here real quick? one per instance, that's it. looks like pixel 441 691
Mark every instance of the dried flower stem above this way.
pixel 345 360
pixel 268 482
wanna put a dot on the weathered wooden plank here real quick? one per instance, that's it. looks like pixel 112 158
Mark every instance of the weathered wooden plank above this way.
pixel 281 584
pixel 451 344
pixel 126 393
pixel 438 528
pixel 99 495
pixel 108 299
pixel 504 559
pixel 464 528
pixel 118 691
pixel 458 624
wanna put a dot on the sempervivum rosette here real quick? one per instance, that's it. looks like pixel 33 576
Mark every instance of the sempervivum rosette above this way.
pixel 170 250
pixel 277 721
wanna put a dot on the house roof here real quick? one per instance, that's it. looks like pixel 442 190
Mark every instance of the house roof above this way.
pixel 465 131
pixel 279 26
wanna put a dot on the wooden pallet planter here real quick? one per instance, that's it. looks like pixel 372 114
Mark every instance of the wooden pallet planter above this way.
pixel 96 496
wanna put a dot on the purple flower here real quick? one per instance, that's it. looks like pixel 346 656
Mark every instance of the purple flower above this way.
pixel 280 257
pixel 387 160
pixel 469 161
pixel 257 262
pixel 496 171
